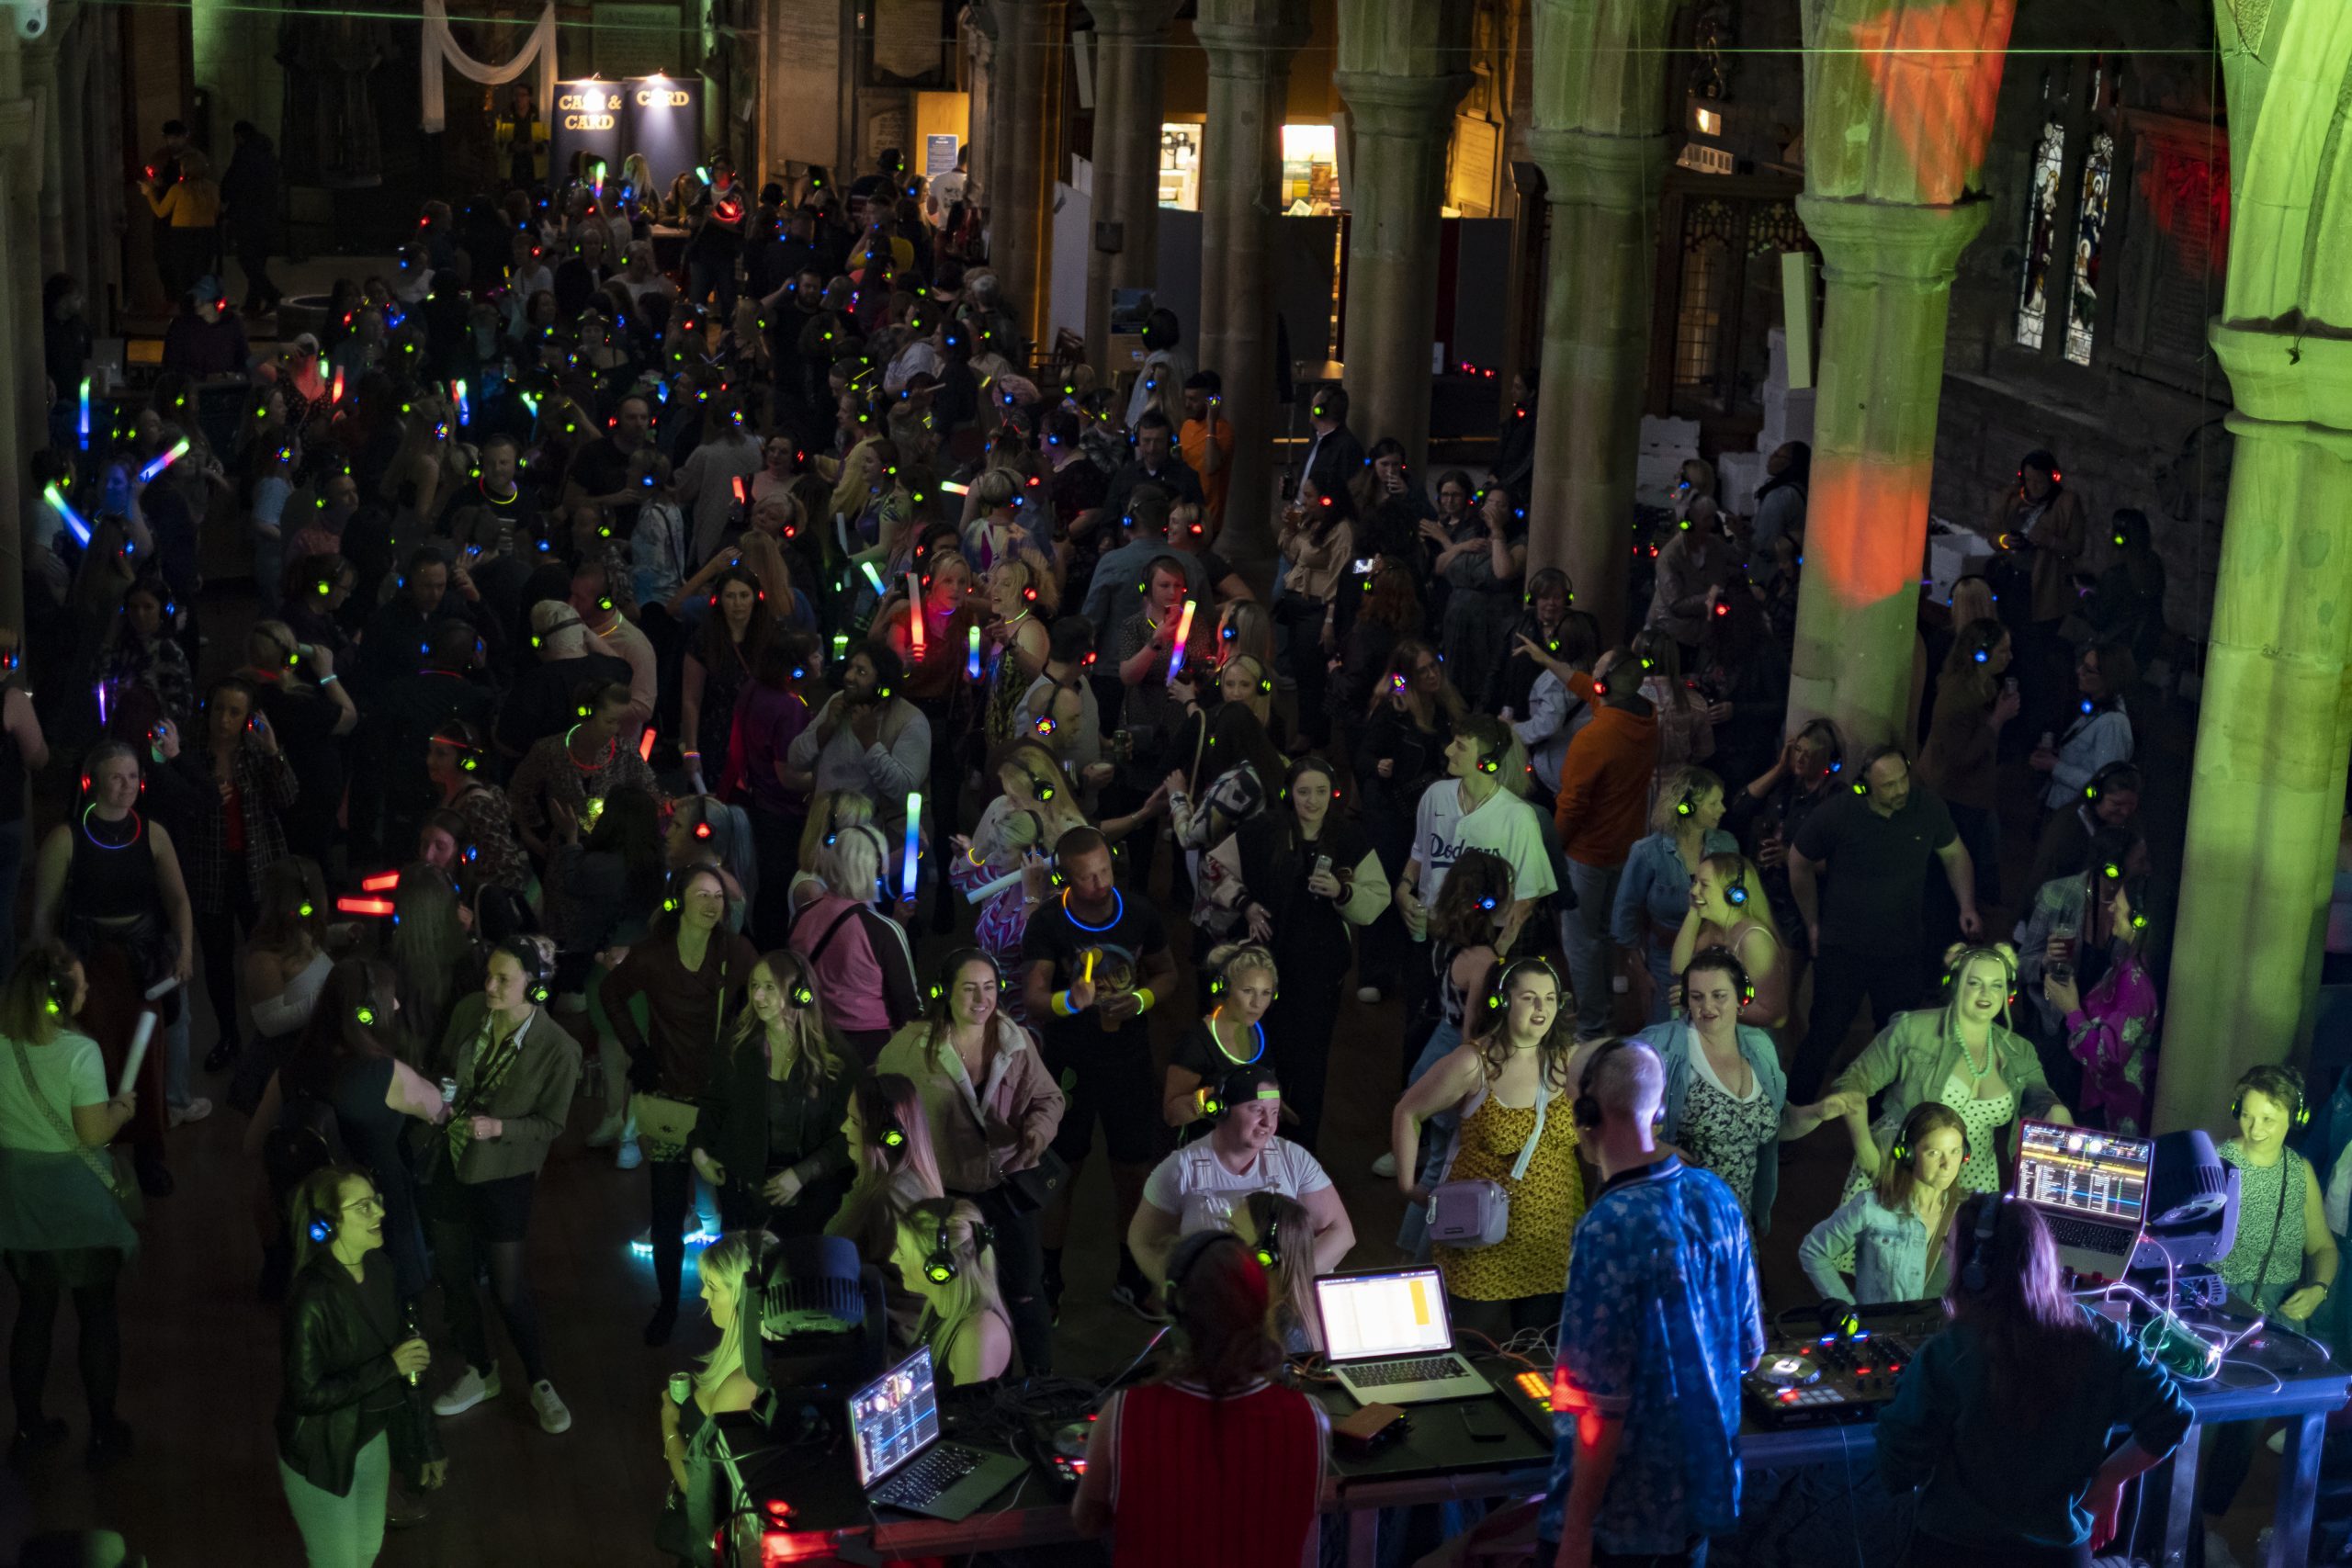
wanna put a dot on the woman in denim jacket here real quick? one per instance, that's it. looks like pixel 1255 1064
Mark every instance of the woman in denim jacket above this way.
pixel 1891 1237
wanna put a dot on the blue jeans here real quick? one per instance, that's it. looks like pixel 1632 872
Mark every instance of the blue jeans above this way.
pixel 345 1531
pixel 1584 937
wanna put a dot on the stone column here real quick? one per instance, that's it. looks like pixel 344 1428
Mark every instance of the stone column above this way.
pixel 1250 45
pixel 2274 721
pixel 1399 71
pixel 980 120
pixel 1130 93
pixel 1899 108
pixel 41 58
pixel 1600 137
pixel 1030 38
pixel 20 386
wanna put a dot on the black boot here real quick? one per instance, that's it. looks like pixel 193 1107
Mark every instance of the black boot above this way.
pixel 153 1180
pixel 663 1322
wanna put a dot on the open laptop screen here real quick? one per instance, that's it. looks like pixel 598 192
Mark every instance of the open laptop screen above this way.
pixel 2084 1171
pixel 1397 1312
pixel 894 1418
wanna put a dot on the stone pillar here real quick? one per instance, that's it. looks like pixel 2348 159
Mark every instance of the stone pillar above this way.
pixel 2267 786
pixel 41 58
pixel 1899 108
pixel 979 24
pixel 2274 721
pixel 1399 72
pixel 1250 45
pixel 1030 38
pixel 1130 93
pixel 20 384
pixel 1600 137
pixel 1888 270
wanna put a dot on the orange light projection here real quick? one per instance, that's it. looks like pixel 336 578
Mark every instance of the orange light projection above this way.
pixel 1936 70
pixel 1867 520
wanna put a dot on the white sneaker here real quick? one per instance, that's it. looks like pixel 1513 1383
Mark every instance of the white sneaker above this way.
pixel 471 1389
pixel 1385 1167
pixel 194 1111
pixel 628 1157
pixel 550 1408
pixel 1367 994
pixel 608 1131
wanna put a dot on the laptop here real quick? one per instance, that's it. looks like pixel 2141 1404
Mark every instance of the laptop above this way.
pixel 901 1463
pixel 1388 1339
pixel 2092 1189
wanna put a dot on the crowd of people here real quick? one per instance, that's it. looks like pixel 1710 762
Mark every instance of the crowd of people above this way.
pixel 676 612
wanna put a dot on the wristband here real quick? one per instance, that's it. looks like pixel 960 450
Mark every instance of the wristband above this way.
pixel 329 679
pixel 1060 1004
pixel 1144 1001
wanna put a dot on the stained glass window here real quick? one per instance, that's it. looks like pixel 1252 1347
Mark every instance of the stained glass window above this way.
pixel 2040 225
pixel 2090 232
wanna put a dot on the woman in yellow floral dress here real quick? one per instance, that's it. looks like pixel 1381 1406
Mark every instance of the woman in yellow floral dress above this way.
pixel 1511 1083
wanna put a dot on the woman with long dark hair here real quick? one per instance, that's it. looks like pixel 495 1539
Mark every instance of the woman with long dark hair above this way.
pixel 1303 879
pixel 1415 710
pixel 62 1230
pixel 735 627
pixel 769 1140
pixel 1465 924
pixel 896 1168
pixel 1391 611
pixel 770 714
pixel 1510 1085
pixel 2112 1022
pixel 453 763
pixel 351 1411
pixel 435 958
pixel 2004 1422
pixel 516 1069
pixel 341 1077
pixel 1234 775
pixel 691 971
pixel 1217 1423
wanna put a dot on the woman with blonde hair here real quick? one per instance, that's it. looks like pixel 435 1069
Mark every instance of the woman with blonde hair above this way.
pixel 1279 1230
pixel 1231 1034
pixel 829 811
pixel 859 955
pixel 1016 832
pixel 1963 1053
pixel 1728 909
pixel 1654 890
pixel 731 1269
pixel 948 1255
pixel 1022 596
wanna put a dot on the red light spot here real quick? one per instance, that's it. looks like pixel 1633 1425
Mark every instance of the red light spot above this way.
pixel 1938 73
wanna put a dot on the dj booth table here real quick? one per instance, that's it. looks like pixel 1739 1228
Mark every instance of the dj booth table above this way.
pixel 1439 1459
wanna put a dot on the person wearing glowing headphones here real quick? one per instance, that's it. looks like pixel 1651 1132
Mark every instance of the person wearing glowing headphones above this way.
pixel 1199 1185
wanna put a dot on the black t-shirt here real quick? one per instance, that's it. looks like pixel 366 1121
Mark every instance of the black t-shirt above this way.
pixel 1202 1056
pixel 1056 936
pixel 1875 869
pixel 603 469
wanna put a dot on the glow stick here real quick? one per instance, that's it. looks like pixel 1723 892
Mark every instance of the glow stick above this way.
pixel 645 745
pixel 1183 634
pixel 531 403
pixel 841 532
pixel 102 705
pixel 914 614
pixel 72 519
pixel 1087 975
pixel 164 460
pixel 85 413
pixel 137 1054
pixel 972 654
pixel 989 889
pixel 382 882
pixel 464 410
pixel 950 486
pixel 840 645
pixel 740 495
pixel 364 906
pixel 875 578
pixel 914 843
pixel 334 393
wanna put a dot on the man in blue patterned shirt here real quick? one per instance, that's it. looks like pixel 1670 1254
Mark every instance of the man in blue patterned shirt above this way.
pixel 1660 1318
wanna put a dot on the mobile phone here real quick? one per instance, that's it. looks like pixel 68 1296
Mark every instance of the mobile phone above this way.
pixel 1483 1421
pixel 1363 566
pixel 1322 865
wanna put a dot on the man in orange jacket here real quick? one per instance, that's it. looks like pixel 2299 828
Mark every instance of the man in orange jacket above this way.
pixel 1604 799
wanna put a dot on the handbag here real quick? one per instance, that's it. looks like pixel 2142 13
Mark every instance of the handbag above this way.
pixel 1471 1214
pixel 112 1168
pixel 1030 1190
pixel 664 1123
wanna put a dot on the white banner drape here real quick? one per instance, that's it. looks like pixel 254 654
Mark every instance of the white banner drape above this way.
pixel 441 50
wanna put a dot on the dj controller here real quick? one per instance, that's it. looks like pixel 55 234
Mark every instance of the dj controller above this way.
pixel 1842 1375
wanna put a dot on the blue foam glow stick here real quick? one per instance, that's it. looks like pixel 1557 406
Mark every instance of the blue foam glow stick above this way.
pixel 85 413
pixel 914 842
pixel 165 460
pixel 72 519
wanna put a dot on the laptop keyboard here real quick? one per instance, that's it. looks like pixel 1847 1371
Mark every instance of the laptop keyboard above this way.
pixel 922 1482
pixel 2088 1234
pixel 1423 1368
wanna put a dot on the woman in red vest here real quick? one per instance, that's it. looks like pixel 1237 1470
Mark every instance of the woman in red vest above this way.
pixel 1216 1461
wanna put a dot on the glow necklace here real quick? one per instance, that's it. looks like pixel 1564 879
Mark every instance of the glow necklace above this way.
pixel 1257 1029
pixel 137 828
pixel 1118 912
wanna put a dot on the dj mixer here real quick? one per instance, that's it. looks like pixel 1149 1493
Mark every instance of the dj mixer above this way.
pixel 1844 1375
